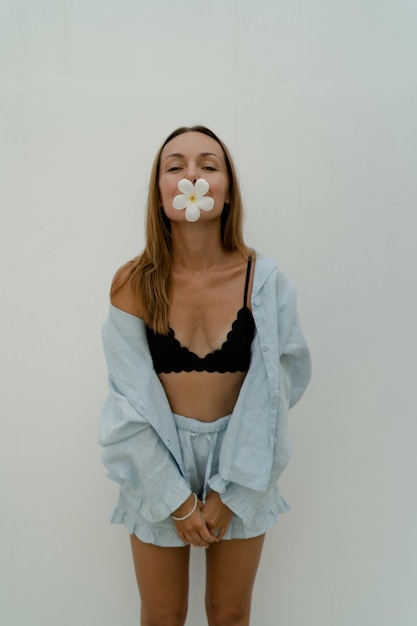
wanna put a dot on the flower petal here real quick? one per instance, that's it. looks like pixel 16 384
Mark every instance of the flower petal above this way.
pixel 201 187
pixel 180 201
pixel 206 203
pixel 186 186
pixel 192 213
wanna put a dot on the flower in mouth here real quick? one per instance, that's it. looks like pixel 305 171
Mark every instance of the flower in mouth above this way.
pixel 193 198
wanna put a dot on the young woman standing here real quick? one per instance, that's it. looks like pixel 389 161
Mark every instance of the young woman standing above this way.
pixel 205 357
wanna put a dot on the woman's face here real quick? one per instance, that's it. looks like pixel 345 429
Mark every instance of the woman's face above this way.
pixel 193 155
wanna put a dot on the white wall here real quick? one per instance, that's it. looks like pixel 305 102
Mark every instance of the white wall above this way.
pixel 317 101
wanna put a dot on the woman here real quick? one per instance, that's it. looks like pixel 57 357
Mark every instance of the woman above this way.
pixel 205 356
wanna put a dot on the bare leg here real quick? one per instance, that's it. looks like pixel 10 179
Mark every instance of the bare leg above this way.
pixel 162 576
pixel 231 572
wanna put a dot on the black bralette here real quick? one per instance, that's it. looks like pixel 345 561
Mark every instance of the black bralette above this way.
pixel 169 355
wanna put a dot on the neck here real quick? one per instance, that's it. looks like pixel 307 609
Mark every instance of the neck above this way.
pixel 197 246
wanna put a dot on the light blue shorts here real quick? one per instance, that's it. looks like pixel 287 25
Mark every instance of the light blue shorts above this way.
pixel 200 446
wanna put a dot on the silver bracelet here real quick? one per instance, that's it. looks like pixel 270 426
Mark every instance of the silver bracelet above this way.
pixel 181 519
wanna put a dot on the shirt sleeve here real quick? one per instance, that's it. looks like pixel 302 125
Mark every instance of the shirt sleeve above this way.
pixel 135 457
pixel 294 373
pixel 295 364
pixel 133 452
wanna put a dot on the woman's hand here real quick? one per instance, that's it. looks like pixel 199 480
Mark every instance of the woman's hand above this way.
pixel 217 515
pixel 194 529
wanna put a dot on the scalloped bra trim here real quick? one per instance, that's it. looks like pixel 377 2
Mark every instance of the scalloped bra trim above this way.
pixel 169 355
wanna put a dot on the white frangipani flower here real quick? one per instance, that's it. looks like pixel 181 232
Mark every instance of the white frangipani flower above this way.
pixel 193 198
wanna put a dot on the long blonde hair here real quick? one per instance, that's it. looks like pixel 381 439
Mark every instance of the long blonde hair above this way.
pixel 149 273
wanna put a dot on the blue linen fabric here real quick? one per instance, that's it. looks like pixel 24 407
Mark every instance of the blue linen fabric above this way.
pixel 141 446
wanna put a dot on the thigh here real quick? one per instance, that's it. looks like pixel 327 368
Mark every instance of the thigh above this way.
pixel 162 577
pixel 231 571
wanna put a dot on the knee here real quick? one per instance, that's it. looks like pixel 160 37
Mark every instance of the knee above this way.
pixel 227 615
pixel 163 618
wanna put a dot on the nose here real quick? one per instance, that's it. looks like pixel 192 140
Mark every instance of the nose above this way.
pixel 191 173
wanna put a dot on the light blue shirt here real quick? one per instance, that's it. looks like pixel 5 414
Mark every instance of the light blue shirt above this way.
pixel 141 447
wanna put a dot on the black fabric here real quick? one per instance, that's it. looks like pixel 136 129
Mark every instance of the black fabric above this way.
pixel 169 355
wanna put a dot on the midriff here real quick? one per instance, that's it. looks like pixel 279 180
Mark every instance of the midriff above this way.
pixel 205 396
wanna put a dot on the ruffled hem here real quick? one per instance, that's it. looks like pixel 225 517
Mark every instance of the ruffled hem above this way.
pixel 160 534
pixel 164 534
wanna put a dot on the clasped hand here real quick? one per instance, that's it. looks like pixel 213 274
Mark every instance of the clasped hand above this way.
pixel 207 524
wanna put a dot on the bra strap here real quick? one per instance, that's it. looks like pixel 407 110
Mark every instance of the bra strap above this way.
pixel 245 296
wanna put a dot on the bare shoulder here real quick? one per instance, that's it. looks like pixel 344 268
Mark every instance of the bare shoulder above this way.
pixel 122 293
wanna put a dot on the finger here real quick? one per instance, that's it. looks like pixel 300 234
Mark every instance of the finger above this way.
pixel 198 542
pixel 207 536
pixel 204 532
pixel 222 532
pixel 188 538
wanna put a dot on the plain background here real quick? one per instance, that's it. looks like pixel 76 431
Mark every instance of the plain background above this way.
pixel 317 101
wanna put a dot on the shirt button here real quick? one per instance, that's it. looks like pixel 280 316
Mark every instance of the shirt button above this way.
pixel 256 302
pixel 265 348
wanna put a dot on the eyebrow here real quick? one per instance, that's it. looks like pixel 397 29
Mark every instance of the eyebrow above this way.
pixel 181 156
